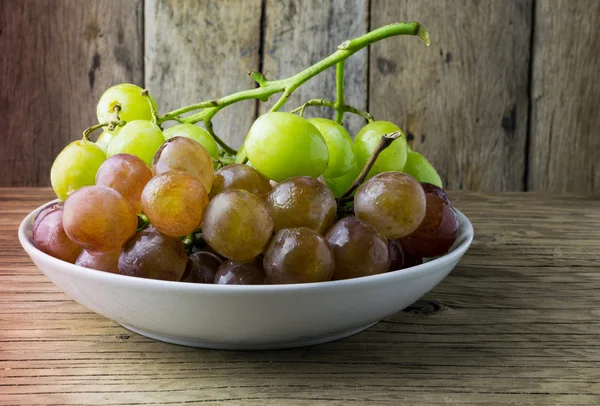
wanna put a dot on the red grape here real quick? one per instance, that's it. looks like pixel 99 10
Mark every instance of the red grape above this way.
pixel 153 255
pixel 105 261
pixel 99 219
pixel 127 174
pixel 298 255
pixel 393 202
pixel 240 273
pixel 49 234
pixel 359 249
pixel 438 231
pixel 201 267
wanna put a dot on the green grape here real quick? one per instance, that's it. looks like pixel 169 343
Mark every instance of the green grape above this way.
pixel 99 219
pixel 298 255
pixel 128 175
pixel 140 138
pixel 339 185
pixel 359 249
pixel 237 176
pixel 153 255
pixel 281 145
pixel 106 137
pixel 391 159
pixel 185 154
pixel 302 201
pixel 419 168
pixel 75 167
pixel 339 145
pixel 132 105
pixel 198 134
pixel 174 202
pixel 393 202
pixel 237 225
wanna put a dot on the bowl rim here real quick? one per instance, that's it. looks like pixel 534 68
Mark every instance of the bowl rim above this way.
pixel 431 266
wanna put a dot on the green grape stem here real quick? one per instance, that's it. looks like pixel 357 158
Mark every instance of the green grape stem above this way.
pixel 143 222
pixel 340 104
pixel 111 125
pixel 188 242
pixel 153 109
pixel 267 88
pixel 386 141
pixel 328 103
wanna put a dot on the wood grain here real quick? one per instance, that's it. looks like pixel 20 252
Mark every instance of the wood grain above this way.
pixel 58 57
pixel 300 33
pixel 463 101
pixel 565 110
pixel 517 322
pixel 201 50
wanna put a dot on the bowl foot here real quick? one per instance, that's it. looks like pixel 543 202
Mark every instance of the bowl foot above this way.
pixel 190 342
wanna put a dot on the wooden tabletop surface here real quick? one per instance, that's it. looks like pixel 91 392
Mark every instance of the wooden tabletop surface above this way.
pixel 517 322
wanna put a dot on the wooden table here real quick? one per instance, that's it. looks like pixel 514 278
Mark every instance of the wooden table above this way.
pixel 517 322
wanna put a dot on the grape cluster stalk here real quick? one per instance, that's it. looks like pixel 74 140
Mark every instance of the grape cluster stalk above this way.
pixel 267 88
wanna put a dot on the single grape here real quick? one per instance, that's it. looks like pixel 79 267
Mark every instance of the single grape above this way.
pixel 140 138
pixel 392 158
pixel 238 176
pixel 419 168
pixel 339 185
pixel 201 267
pixel 240 273
pixel 339 145
pixel 302 201
pixel 127 174
pixel 393 202
pixel 438 231
pixel 281 145
pixel 49 234
pixel 359 249
pixel 429 188
pixel 153 255
pixel 106 137
pixel 184 154
pixel 298 255
pixel 174 202
pixel 105 261
pixel 99 219
pixel 75 167
pixel 396 255
pixel 126 100
pixel 198 134
pixel 237 224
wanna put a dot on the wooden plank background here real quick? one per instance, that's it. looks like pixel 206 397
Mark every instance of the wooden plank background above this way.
pixel 505 99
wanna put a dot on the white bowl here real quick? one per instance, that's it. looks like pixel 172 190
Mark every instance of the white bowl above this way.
pixel 246 317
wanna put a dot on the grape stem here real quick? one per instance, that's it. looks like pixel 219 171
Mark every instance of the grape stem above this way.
pixel 111 126
pixel 153 109
pixel 328 103
pixel 339 93
pixel 267 88
pixel 188 242
pixel 385 142
pixel 142 222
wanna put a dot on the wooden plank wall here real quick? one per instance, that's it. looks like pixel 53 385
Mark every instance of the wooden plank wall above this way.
pixel 506 98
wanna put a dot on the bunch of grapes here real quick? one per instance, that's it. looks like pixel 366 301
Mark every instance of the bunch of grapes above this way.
pixel 308 204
